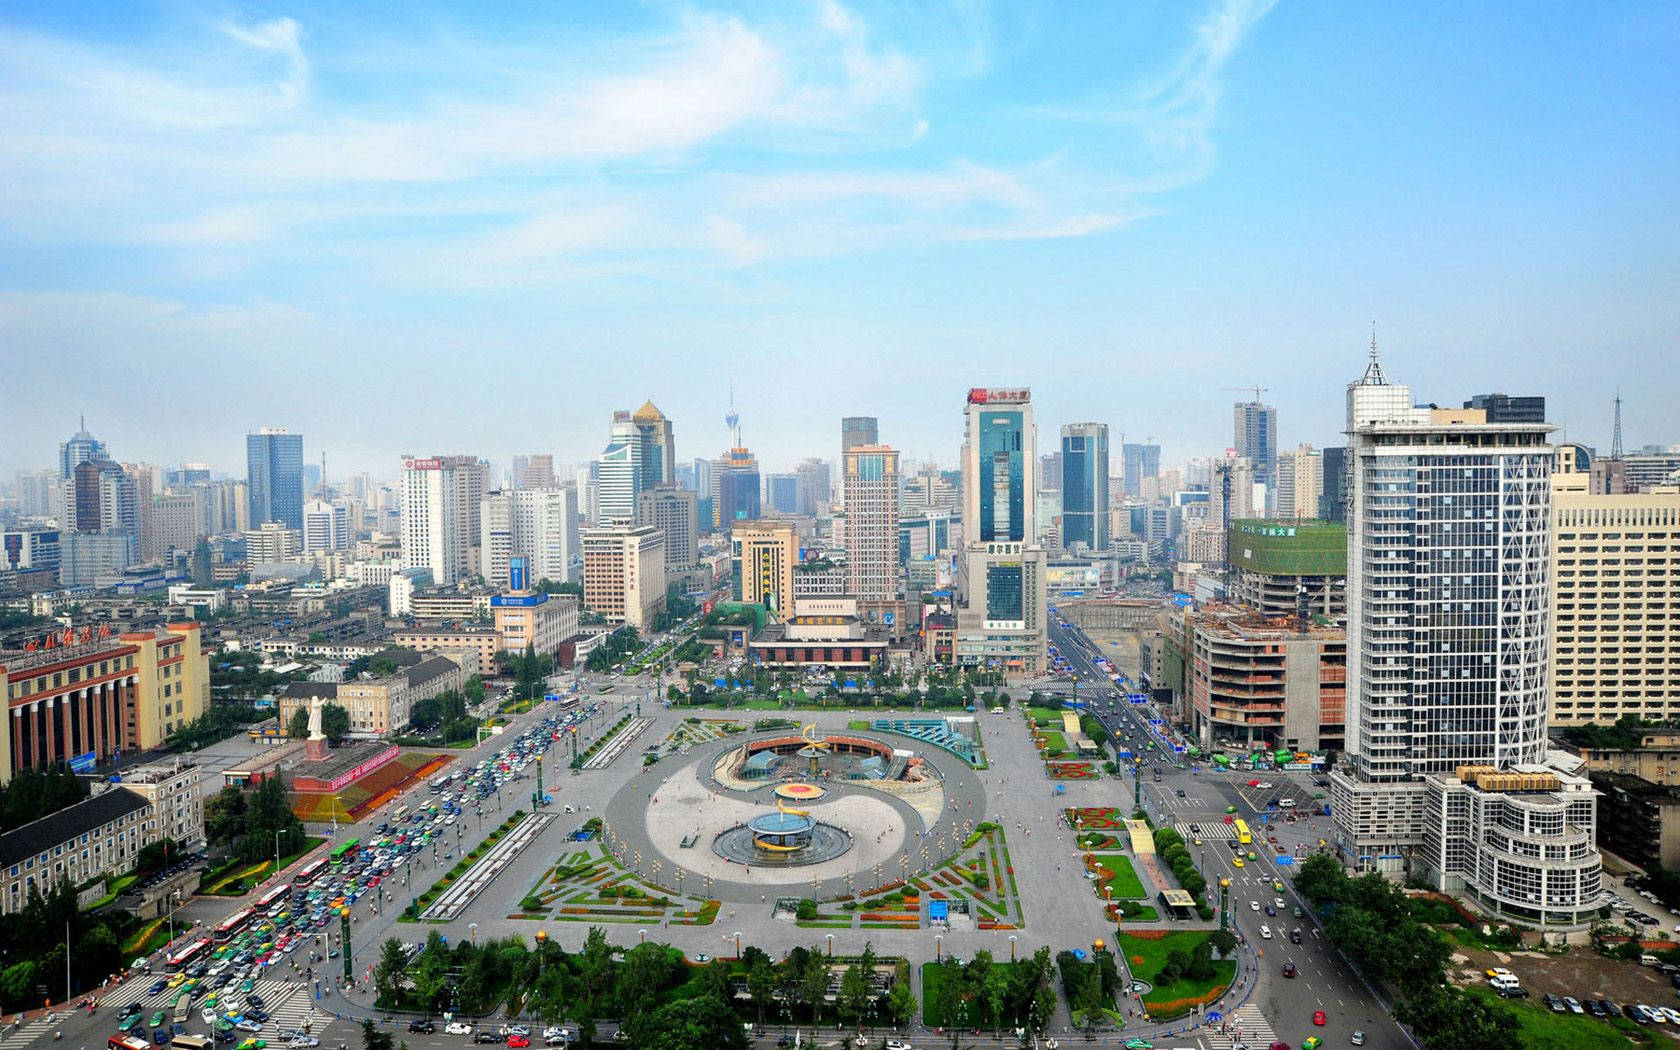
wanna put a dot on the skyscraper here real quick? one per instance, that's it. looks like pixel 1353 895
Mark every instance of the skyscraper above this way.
pixel 1001 622
pixel 1300 482
pixel 1332 502
pixel 735 488
pixel 1085 486
pixel 103 498
pixel 871 492
pixel 619 473
pixel 781 492
pixel 1255 438
pixel 1140 461
pixel 814 486
pixel 441 498
pixel 763 555
pixel 81 447
pixel 858 430
pixel 658 447
pixel 326 526
pixel 274 476
pixel 674 512
pixel 537 524
pixel 1447 640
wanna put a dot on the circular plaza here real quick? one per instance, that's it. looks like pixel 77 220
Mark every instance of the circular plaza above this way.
pixel 810 813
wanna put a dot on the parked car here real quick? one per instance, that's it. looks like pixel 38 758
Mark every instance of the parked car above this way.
pixel 458 1028
pixel 421 1026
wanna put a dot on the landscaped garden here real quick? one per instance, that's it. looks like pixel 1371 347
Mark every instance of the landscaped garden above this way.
pixel 237 877
pixel 589 885
pixel 1180 966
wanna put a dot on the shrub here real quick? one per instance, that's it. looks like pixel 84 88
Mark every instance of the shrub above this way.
pixel 806 910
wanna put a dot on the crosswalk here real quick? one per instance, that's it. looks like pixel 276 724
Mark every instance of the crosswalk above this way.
pixel 289 1006
pixel 1217 829
pixel 1246 1026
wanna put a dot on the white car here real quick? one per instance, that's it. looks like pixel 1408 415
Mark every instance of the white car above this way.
pixel 1253 905
pixel 898 1044
pixel 1265 932
pixel 301 1041
pixel 458 1028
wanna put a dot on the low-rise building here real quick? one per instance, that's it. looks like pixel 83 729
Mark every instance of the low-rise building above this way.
pixel 175 794
pixel 1649 754
pixel 1638 820
pixel 541 621
pixel 821 633
pixel 450 605
pixel 486 642
pixel 1251 681
pixel 378 706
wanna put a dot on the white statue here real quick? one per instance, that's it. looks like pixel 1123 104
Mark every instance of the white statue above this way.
pixel 315 708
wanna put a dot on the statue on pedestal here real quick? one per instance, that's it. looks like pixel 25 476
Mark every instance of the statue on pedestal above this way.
pixel 315 747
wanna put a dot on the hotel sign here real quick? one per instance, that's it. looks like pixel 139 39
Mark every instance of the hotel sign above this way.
pixel 982 395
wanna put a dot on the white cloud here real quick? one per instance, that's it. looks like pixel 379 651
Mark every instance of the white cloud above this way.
pixel 280 37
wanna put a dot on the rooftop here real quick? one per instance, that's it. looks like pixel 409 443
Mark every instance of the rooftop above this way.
pixel 39 836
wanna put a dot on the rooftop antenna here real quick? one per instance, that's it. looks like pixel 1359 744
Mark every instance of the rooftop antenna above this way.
pixel 83 419
pixel 1373 372
pixel 1616 435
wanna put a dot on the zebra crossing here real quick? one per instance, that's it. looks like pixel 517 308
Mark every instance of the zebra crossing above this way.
pixel 1207 830
pixel 289 1006
pixel 1246 1027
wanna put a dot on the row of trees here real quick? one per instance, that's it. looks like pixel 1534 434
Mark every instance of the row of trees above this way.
pixel 614 648
pixel 1372 921
pixel 335 722
pixel 1169 845
pixel 659 1000
pixel 34 942
pixel 34 793
pixel 253 826
pixel 994 995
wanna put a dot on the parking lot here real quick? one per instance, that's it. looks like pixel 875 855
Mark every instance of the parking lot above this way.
pixel 1582 973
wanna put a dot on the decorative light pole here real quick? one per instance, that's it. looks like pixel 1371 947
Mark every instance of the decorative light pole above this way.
pixel 542 950
pixel 737 936
pixel 1012 939
pixel 1224 902
pixel 938 948
pixel 344 935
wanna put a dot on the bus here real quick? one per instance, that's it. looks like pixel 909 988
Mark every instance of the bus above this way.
pixel 199 949
pixel 265 904
pixel 399 813
pixel 344 851
pixel 310 872
pixel 183 1008
pixel 1242 832
pixel 438 784
pixel 127 1042
pixel 190 1042
pixel 232 925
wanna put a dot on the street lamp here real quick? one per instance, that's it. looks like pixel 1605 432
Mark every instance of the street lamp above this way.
pixel 830 938
pixel 542 949
pixel 938 947
pixel 1012 947
pixel 737 936
pixel 641 936
pixel 472 930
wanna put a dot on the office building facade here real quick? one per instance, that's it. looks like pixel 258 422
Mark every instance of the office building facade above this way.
pixel 1084 484
pixel 1502 408
pixel 537 524
pixel 763 557
pixel 1254 436
pixel 870 482
pixel 326 526
pixel 735 489
pixel 859 430
pixel 624 574
pixel 674 512
pixel 1139 461
pixel 441 505
pixel 1300 483
pixel 274 476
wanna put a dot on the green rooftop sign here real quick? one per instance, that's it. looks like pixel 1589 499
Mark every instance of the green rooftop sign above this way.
pixel 1289 548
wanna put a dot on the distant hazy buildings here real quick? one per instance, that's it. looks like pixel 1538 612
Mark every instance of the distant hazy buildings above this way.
pixel 1084 485
pixel 735 488
pixel 441 497
pixel 1139 461
pixel 858 430
pixel 274 476
pixel 814 487
pixel 1254 435
pixel 870 479
pixel 1300 483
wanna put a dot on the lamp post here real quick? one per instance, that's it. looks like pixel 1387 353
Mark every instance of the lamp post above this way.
pixel 344 935
pixel 542 950
pixel 1012 947
pixel 737 936
pixel 938 948
pixel 276 852
pixel 641 936
pixel 472 931
pixel 830 938
pixel 1224 902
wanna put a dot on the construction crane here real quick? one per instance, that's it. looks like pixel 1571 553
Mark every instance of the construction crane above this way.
pixel 1258 390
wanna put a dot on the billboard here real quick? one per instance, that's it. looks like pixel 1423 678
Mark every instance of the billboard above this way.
pixel 84 762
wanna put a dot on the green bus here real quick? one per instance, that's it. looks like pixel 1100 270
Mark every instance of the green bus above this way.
pixel 343 851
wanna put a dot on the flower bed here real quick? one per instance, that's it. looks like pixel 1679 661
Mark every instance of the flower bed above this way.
pixel 1072 771
pixel 1097 817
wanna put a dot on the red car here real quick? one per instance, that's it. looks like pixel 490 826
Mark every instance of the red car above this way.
pixel 1318 1018
pixel 517 1041
pixel 1279 1046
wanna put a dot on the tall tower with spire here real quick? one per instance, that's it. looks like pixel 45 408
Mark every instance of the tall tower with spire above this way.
pixel 1616 435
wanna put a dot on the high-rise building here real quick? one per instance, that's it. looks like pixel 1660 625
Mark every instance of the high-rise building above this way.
pixel 537 472
pixel 81 447
pixel 537 524
pixel 1254 428
pixel 674 512
pixel 735 488
pixel 1502 408
pixel 1332 499
pixel 326 526
pixel 763 556
pixel 272 541
pixel 624 574
pixel 658 447
pixel 39 493
pixel 859 430
pixel 1001 623
pixel 95 559
pixel 274 476
pixel 1615 608
pixel 814 487
pixel 619 473
pixel 1084 486
pixel 1300 483
pixel 102 497
pixel 226 506
pixel 1050 472
pixel 1139 461
pixel 175 523
pixel 187 474
pixel 1445 777
pixel 29 549
pixel 441 497
pixel 871 492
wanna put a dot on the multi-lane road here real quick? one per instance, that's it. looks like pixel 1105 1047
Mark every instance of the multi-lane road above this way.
pixel 1194 796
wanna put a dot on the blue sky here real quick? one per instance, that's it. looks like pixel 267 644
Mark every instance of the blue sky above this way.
pixel 428 228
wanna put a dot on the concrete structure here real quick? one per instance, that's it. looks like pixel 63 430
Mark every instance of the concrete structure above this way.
pixel 1254 436
pixel 378 706
pixel 815 490
pixel 1001 622
pixel 781 493
pixel 1502 408
pixel 94 559
pixel 30 549
pixel 537 524
pixel 1447 644
pixel 858 430
pixel 81 447
pixel 1300 483
pixel 541 620
pixel 173 522
pixel 674 512
pixel 764 555
pixel 401 587
pixel 1615 609
pixel 451 605
pixel 1138 461
pixel 326 526
pixel 274 476
pixel 102 497
pixel 441 498
pixel 482 642
pixel 624 574
pixel 618 473
pixel 657 446
pixel 1250 680
pixel 272 541
pixel 822 632
pixel 870 483
pixel 175 799
pixel 1638 820
pixel 1084 485
pixel 1276 563
pixel 735 489
pixel 927 534
pixel 1332 501
pixel 173 686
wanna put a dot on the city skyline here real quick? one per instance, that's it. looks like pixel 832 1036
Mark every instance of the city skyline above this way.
pixel 1186 198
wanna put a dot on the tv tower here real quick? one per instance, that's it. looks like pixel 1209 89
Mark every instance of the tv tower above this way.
pixel 732 419
pixel 1616 434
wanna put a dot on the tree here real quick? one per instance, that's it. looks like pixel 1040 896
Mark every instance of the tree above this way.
pixel 1444 1016
pixel 947 997
pixel 387 975
pixel 224 815
pixel 1320 879
pixel 156 855
pixel 595 973
pixel 648 969
pixel 298 727
pixel 686 1024
pixel 335 722
pixel 761 982
pixel 373 1038
pixel 813 982
pixel 854 994
pixel 901 1002
pixel 431 975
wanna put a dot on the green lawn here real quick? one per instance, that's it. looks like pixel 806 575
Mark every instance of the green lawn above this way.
pixel 1055 742
pixel 1146 956
pixel 1543 1030
pixel 1045 716
pixel 1125 882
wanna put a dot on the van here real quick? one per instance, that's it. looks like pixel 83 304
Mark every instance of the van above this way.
pixel 1648 960
pixel 1286 803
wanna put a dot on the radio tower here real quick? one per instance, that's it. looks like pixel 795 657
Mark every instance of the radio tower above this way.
pixel 732 419
pixel 1616 435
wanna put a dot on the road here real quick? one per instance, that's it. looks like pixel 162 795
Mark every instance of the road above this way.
pixel 1192 795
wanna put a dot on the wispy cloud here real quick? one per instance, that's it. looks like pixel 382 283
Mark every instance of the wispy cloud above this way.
pixel 279 37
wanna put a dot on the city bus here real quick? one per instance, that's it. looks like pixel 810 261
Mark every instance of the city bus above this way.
pixel 399 813
pixel 1242 831
pixel 199 949
pixel 344 851
pixel 310 872
pixel 232 925
pixel 183 1008
pixel 127 1042
pixel 265 904
pixel 190 1042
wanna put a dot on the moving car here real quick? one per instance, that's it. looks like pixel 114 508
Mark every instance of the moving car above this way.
pixel 1318 1018
pixel 420 1025
pixel 1289 969
pixel 458 1028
